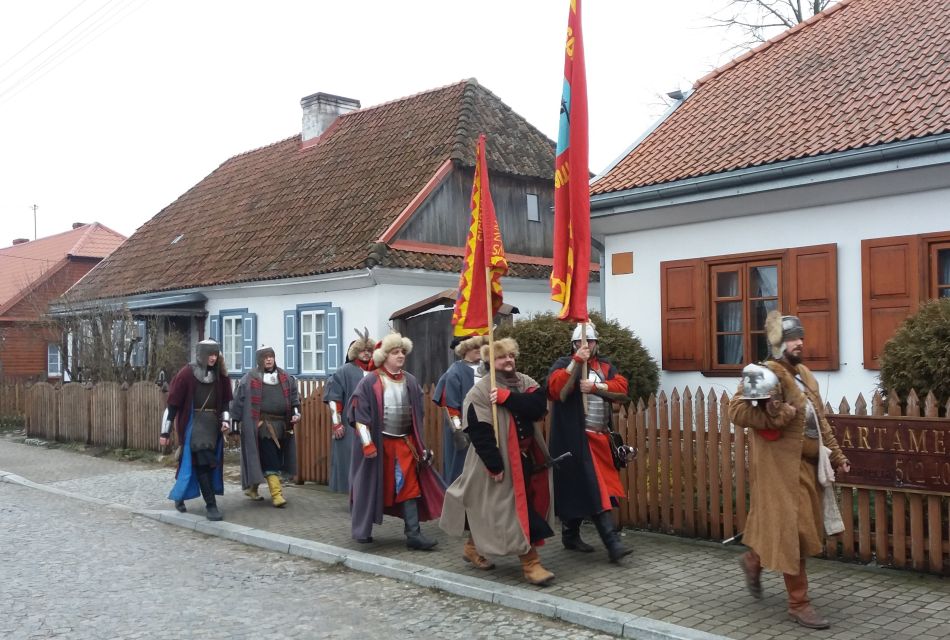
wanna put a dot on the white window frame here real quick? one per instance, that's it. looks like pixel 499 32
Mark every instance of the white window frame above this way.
pixel 53 355
pixel 534 207
pixel 232 344
pixel 314 351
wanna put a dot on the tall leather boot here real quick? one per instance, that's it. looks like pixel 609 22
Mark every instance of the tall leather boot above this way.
pixel 532 569
pixel 605 527
pixel 471 555
pixel 414 536
pixel 251 492
pixel 276 493
pixel 799 606
pixel 571 536
pixel 207 492
pixel 752 568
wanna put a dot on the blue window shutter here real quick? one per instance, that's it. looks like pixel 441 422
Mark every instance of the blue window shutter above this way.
pixel 290 341
pixel 138 353
pixel 334 339
pixel 249 329
pixel 214 328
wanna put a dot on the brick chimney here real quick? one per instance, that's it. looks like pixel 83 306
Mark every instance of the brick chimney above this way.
pixel 320 110
pixel 20 240
pixel 76 225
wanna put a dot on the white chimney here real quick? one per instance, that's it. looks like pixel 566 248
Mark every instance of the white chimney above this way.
pixel 320 110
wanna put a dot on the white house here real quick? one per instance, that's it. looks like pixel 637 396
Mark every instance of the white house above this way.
pixel 364 213
pixel 811 175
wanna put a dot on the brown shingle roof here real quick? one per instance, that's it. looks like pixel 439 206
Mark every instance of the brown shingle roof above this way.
pixel 861 73
pixel 22 265
pixel 285 211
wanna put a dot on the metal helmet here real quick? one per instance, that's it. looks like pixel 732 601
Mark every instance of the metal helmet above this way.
pixel 204 349
pixel 758 383
pixel 591 332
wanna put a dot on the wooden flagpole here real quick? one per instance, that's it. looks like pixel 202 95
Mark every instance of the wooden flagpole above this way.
pixel 491 350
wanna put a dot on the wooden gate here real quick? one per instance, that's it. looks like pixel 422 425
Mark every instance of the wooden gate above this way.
pixel 74 413
pixel 145 403
pixel 107 415
pixel 43 411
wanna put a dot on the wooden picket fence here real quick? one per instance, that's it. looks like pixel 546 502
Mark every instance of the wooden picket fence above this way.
pixel 12 398
pixel 690 477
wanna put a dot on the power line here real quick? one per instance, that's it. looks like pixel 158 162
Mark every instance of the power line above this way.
pixel 47 30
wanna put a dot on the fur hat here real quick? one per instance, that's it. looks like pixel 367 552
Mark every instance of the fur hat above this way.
pixel 262 353
pixel 387 344
pixel 362 343
pixel 502 348
pixel 204 349
pixel 779 328
pixel 467 344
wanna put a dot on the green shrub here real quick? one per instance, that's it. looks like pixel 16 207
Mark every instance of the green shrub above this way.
pixel 918 356
pixel 542 339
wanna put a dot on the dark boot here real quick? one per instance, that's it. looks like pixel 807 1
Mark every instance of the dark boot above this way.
pixel 571 536
pixel 180 506
pixel 207 492
pixel 605 527
pixel 752 567
pixel 414 537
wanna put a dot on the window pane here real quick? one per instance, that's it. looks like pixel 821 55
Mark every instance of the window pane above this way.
pixel 729 349
pixel 761 346
pixel 763 282
pixel 308 362
pixel 760 309
pixel 943 269
pixel 727 284
pixel 306 342
pixel 729 316
pixel 945 293
pixel 320 362
pixel 306 322
pixel 318 322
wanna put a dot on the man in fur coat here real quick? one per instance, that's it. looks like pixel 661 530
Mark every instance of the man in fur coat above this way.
pixel 340 386
pixel 198 399
pixel 267 404
pixel 504 492
pixel 449 394
pixel 785 523
pixel 391 471
pixel 588 484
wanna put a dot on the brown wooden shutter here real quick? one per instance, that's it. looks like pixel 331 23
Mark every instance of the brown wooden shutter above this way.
pixel 890 274
pixel 683 320
pixel 811 275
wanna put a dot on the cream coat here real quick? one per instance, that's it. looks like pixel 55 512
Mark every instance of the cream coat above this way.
pixel 785 522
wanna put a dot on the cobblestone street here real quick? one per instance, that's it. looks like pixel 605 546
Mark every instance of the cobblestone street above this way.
pixel 80 571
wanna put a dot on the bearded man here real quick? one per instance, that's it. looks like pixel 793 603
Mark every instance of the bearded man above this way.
pixel 504 493
pixel 588 484
pixel 198 399
pixel 450 392
pixel 391 472
pixel 339 389
pixel 267 404
pixel 785 523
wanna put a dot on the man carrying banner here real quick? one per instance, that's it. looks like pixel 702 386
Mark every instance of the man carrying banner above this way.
pixel 392 470
pixel 450 392
pixel 359 362
pixel 267 404
pixel 504 491
pixel 582 387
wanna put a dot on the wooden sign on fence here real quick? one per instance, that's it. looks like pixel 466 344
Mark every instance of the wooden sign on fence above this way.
pixel 895 452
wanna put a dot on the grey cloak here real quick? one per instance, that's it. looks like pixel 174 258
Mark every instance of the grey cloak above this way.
pixel 241 409
pixel 450 391
pixel 340 388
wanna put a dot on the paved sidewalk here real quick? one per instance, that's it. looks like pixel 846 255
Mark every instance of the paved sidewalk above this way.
pixel 673 581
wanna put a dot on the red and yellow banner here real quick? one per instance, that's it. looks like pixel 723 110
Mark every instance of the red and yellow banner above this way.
pixel 484 262
pixel 571 271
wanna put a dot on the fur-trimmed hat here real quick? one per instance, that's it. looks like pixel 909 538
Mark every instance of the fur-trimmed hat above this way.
pixel 387 344
pixel 467 344
pixel 362 343
pixel 502 348
pixel 779 328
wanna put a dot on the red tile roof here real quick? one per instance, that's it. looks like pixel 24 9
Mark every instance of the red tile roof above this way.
pixel 284 211
pixel 22 265
pixel 861 73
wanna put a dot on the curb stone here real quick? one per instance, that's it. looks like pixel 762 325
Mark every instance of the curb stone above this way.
pixel 523 599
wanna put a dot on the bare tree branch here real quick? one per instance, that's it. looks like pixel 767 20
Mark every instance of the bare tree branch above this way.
pixel 757 20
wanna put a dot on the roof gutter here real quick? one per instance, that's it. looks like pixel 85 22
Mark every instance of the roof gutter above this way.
pixel 603 205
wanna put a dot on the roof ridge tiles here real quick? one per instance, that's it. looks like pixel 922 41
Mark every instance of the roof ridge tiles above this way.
pixel 822 15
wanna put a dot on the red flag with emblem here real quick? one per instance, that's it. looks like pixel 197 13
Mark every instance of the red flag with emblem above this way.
pixel 571 271
pixel 484 262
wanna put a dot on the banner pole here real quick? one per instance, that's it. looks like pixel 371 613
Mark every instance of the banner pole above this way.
pixel 491 350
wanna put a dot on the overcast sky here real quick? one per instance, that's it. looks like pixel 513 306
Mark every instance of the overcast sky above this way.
pixel 110 109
